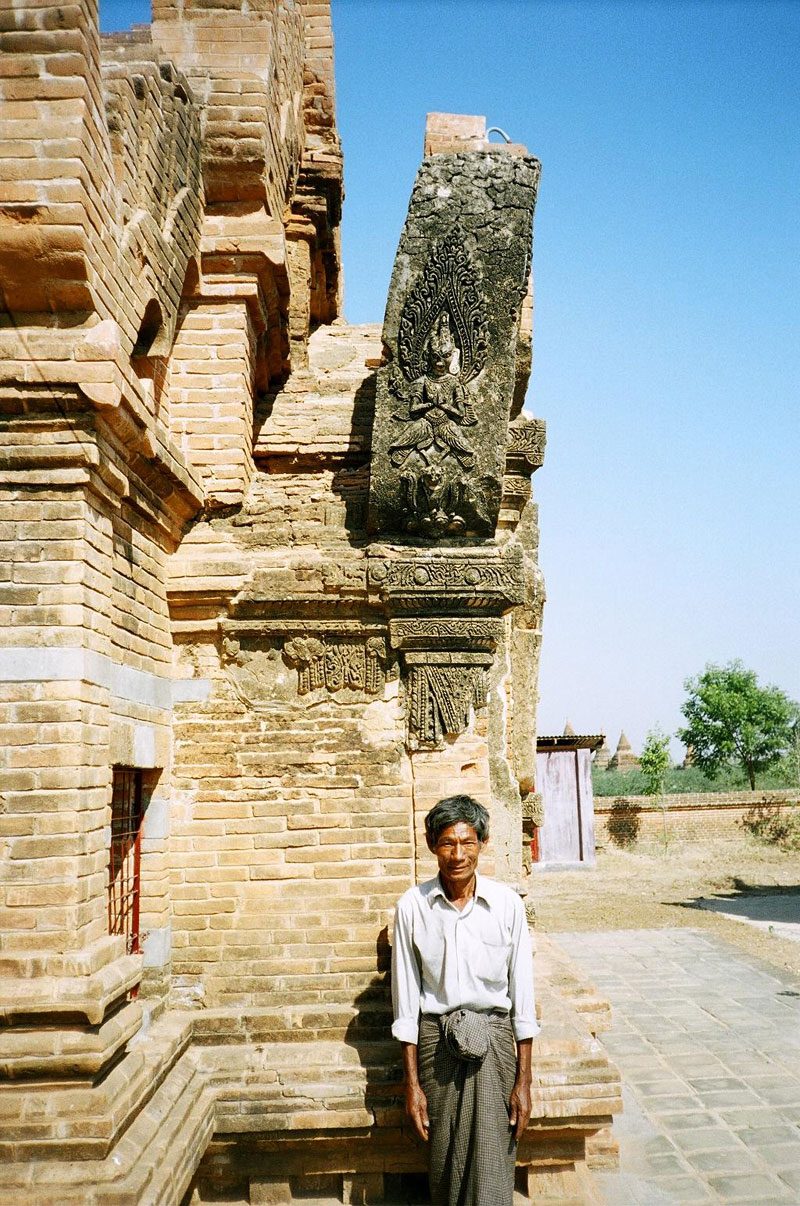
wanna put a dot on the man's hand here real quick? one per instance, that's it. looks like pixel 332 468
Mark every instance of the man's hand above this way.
pixel 416 1101
pixel 519 1103
pixel 417 1110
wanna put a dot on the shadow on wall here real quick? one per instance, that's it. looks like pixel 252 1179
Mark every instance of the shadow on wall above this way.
pixel 369 1033
pixel 624 823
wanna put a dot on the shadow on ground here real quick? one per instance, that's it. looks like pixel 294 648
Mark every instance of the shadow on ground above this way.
pixel 774 909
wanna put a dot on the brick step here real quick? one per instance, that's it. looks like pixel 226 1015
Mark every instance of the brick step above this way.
pixel 301 1023
pixel 80 1120
pixel 74 1051
pixel 89 995
pixel 153 1162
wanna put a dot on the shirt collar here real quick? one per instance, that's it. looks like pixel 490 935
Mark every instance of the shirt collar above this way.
pixel 481 890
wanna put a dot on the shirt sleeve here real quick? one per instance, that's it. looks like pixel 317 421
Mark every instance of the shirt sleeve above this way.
pixel 406 981
pixel 520 977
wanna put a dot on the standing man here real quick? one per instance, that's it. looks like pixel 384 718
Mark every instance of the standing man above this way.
pixel 462 989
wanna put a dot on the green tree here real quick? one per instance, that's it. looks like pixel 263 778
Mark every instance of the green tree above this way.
pixel 731 719
pixel 654 762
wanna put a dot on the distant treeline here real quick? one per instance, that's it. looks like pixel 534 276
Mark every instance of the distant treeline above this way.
pixel 692 779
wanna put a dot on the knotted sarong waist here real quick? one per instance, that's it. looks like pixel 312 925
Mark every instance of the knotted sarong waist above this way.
pixel 466 1031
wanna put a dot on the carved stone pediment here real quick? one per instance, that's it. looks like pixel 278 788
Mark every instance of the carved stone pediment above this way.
pixel 451 334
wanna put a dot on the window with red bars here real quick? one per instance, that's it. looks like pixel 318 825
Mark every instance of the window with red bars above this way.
pixel 124 865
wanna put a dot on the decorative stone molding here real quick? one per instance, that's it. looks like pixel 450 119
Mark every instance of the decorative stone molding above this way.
pixel 444 632
pixel 525 445
pixel 337 663
pixel 482 580
pixel 339 656
pixel 442 690
pixel 533 808
pixel 446 660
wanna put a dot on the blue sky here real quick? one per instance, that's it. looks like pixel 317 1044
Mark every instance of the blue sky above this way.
pixel 666 349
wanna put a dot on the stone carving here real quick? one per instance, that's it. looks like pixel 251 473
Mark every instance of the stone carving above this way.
pixel 347 656
pixel 345 577
pixel 442 694
pixel 442 345
pixel 525 446
pixel 452 334
pixel 448 286
pixel 480 578
pixel 444 632
pixel 533 807
pixel 337 664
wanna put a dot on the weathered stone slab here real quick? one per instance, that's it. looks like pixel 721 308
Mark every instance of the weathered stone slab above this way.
pixel 451 333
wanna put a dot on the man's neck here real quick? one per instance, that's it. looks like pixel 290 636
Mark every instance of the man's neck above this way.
pixel 459 894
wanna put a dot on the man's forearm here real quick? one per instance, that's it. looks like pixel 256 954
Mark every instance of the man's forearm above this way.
pixel 524 1061
pixel 411 1065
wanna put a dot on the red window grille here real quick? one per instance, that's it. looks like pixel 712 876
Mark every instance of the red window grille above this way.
pixel 124 865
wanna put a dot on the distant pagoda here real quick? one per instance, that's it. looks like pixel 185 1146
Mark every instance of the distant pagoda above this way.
pixel 624 758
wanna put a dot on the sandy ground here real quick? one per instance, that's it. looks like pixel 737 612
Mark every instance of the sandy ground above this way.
pixel 645 888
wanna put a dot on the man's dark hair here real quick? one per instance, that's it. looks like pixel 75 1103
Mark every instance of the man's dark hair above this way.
pixel 452 810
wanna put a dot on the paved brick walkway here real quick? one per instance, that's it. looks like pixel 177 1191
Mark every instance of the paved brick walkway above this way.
pixel 708 1043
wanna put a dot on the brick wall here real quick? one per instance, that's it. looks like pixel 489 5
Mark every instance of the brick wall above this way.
pixel 290 844
pixel 693 816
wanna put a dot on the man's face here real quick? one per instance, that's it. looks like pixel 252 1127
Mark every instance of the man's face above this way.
pixel 457 850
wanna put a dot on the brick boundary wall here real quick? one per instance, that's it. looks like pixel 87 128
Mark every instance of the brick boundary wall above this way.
pixel 691 816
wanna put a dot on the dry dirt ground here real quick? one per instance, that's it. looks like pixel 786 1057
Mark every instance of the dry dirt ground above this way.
pixel 646 888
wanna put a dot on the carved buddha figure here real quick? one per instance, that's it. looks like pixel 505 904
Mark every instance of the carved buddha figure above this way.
pixel 437 406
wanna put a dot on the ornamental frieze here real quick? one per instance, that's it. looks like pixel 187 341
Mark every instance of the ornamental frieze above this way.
pixel 525 445
pixel 444 632
pixel 274 660
pixel 490 580
pixel 338 664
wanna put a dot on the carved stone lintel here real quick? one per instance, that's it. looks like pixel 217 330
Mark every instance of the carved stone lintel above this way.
pixel 481 580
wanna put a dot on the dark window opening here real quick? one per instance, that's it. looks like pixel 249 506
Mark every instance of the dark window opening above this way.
pixel 125 857
pixel 150 329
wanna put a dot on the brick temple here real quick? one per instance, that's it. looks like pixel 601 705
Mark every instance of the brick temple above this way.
pixel 250 631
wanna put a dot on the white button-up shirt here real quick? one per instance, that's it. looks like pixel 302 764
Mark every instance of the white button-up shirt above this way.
pixel 478 957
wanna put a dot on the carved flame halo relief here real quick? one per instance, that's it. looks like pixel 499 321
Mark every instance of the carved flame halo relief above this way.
pixel 448 283
pixel 442 347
